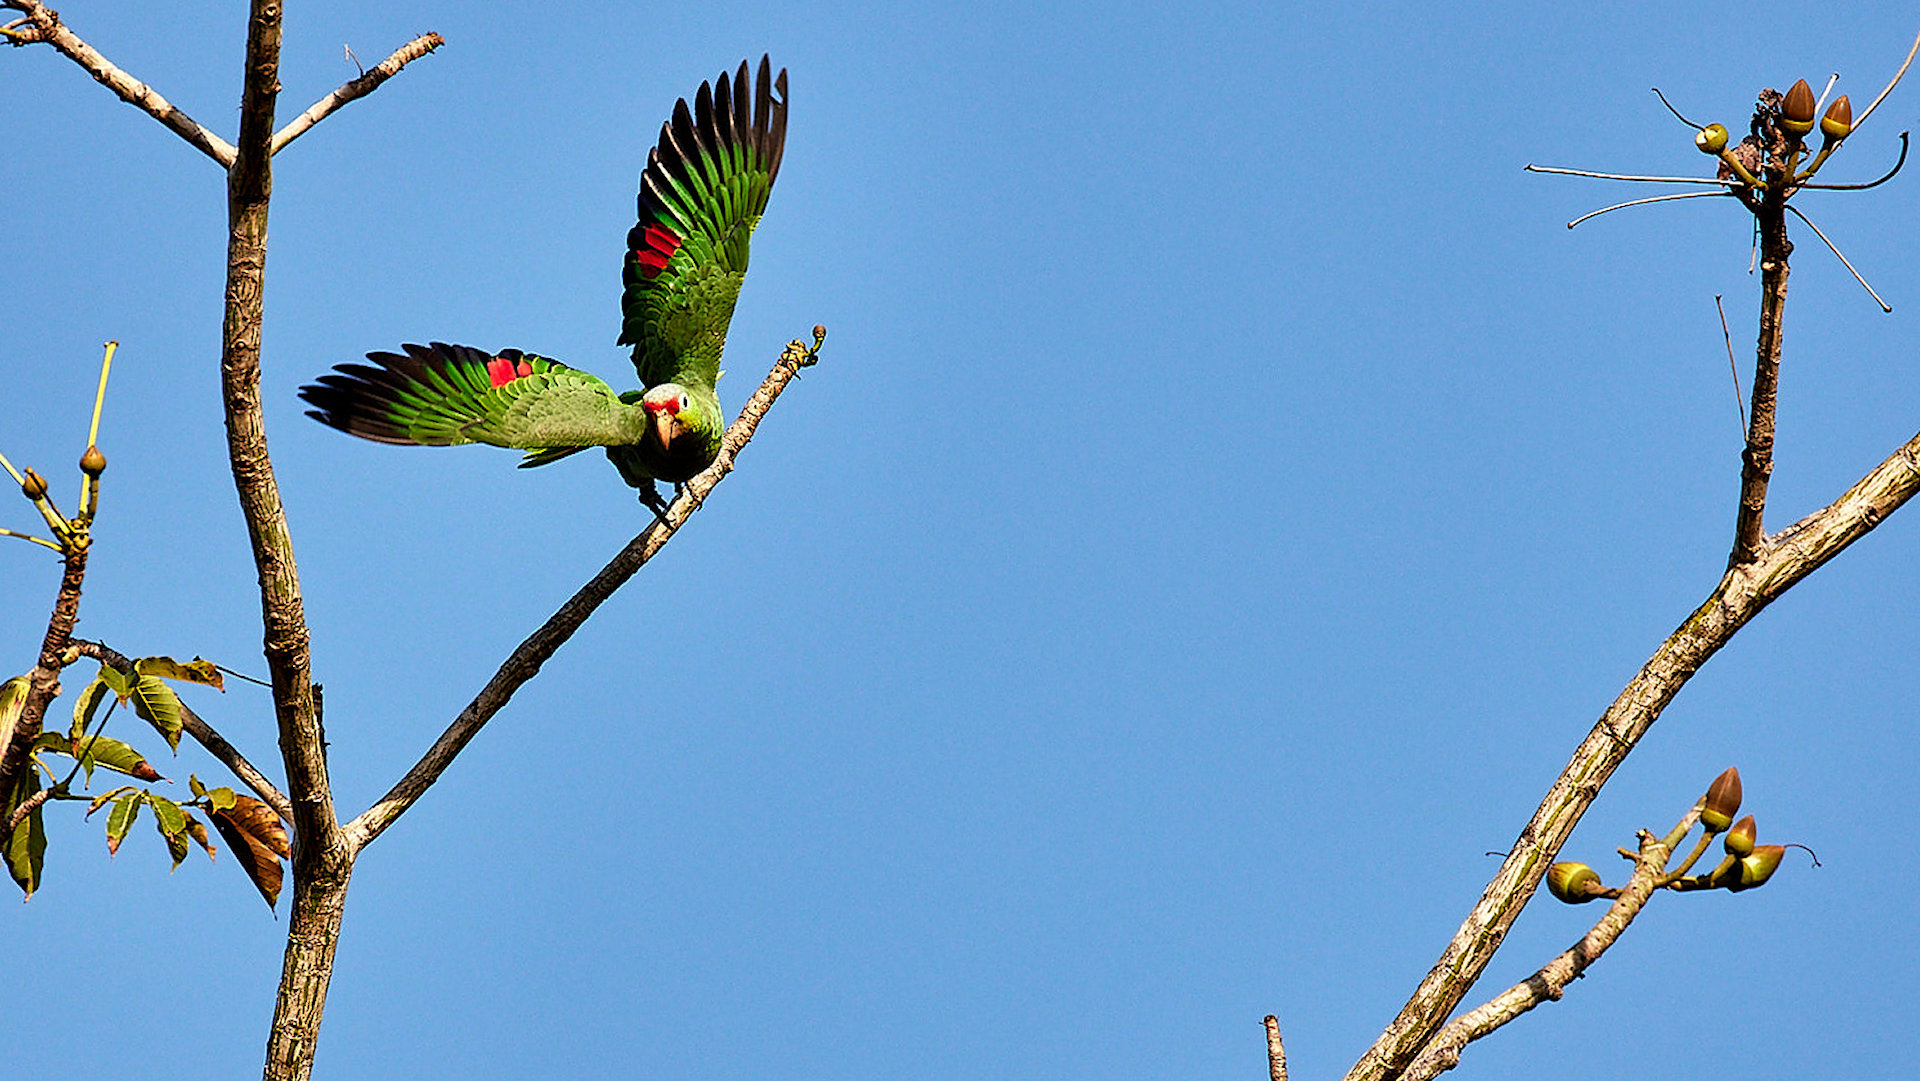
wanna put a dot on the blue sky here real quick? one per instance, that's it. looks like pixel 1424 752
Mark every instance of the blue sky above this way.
pixel 1227 496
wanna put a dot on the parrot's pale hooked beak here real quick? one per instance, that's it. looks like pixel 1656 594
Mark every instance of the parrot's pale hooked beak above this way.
pixel 663 427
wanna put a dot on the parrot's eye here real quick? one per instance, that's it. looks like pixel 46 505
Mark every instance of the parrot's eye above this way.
pixel 682 407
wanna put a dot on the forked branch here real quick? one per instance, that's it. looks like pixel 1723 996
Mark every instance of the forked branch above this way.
pixel 1747 588
pixel 1550 982
pixel 42 24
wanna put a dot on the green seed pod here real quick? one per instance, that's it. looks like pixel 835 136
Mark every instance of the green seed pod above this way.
pixel 1796 112
pixel 1723 798
pixel 1574 883
pixel 1838 123
pixel 34 486
pixel 1758 867
pixel 1711 139
pixel 1739 841
pixel 93 463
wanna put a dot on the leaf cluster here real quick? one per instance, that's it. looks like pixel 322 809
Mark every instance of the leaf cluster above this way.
pixel 249 827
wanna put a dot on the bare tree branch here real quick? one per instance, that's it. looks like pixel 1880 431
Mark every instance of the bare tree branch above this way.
pixel 1756 460
pixel 524 663
pixel 204 734
pixel 44 678
pixel 1442 1053
pixel 249 187
pixel 44 25
pixel 358 88
pixel 1276 1054
pixel 1743 592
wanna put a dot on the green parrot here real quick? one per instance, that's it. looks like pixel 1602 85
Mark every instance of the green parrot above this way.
pixel 701 194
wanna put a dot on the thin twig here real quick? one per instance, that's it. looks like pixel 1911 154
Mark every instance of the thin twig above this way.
pixel 1820 107
pixel 204 734
pixel 31 537
pixel 1739 400
pixel 1891 83
pixel 1652 199
pixel 1884 306
pixel 357 88
pixel 47 27
pixel 1641 179
pixel 525 661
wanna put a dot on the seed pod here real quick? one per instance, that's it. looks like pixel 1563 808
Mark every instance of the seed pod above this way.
pixel 1723 798
pixel 1838 123
pixel 1758 867
pixel 1796 112
pixel 1739 841
pixel 1574 883
pixel 34 486
pixel 93 463
pixel 1711 139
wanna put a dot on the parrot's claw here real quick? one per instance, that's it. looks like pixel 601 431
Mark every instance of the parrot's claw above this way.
pixel 650 496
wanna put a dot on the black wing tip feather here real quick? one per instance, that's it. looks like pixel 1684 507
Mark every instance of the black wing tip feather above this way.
pixel 358 398
pixel 719 118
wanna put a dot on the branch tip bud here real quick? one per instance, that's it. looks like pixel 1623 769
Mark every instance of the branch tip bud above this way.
pixel 1723 800
pixel 1796 112
pixel 1739 840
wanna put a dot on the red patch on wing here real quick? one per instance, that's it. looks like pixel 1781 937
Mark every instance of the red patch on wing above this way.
pixel 661 244
pixel 500 371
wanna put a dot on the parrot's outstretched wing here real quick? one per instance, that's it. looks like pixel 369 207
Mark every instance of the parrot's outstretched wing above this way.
pixel 701 195
pixel 439 395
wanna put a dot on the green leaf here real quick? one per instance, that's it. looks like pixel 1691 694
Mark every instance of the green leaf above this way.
pixel 222 799
pixel 27 845
pixel 13 702
pixel 55 742
pixel 194 671
pixel 117 681
pixel 172 818
pixel 116 756
pixel 176 838
pixel 156 703
pixel 126 811
pixel 199 790
pixel 89 701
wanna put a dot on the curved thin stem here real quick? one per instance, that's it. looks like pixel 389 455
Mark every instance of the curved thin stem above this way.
pixel 1654 199
pixel 1870 184
pixel 1716 182
pixel 1676 112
